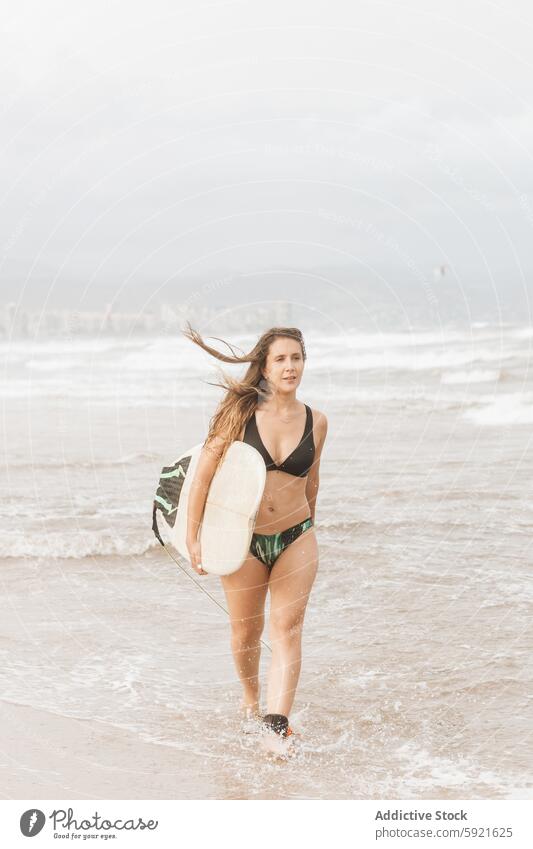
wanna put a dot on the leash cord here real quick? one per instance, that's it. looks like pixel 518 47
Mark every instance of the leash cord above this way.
pixel 198 584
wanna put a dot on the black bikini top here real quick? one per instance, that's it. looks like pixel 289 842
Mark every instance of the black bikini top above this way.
pixel 299 461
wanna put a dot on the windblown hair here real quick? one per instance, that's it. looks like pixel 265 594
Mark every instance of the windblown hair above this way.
pixel 242 396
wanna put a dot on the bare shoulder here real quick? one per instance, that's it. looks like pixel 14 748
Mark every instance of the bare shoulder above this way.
pixel 320 424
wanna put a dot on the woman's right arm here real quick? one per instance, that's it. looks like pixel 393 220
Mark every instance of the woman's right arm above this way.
pixel 205 470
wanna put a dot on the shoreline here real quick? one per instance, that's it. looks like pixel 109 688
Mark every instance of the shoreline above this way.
pixel 49 756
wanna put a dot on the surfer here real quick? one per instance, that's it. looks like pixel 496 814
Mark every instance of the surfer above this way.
pixel 262 409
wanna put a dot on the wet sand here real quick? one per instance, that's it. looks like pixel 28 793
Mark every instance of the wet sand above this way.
pixel 48 756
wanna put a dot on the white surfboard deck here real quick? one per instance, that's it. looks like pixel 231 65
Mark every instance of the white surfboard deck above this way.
pixel 230 511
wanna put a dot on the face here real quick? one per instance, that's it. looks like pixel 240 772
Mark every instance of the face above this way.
pixel 284 361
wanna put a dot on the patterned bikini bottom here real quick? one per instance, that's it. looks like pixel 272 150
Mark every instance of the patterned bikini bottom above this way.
pixel 268 547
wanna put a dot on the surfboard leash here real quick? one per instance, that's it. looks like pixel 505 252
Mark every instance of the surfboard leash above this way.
pixel 198 584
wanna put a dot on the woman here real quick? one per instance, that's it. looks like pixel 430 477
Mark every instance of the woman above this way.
pixel 262 409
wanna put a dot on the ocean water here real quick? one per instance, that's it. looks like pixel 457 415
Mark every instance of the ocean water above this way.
pixel 417 659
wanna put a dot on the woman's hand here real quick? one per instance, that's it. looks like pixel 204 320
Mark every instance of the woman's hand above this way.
pixel 195 556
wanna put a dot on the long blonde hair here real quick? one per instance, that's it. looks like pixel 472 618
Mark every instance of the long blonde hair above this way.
pixel 242 396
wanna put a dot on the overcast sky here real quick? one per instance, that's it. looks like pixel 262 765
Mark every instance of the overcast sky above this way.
pixel 148 145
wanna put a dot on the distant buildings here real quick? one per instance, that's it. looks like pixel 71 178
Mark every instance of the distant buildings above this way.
pixel 164 319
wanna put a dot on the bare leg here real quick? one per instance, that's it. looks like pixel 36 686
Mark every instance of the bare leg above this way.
pixel 291 581
pixel 246 592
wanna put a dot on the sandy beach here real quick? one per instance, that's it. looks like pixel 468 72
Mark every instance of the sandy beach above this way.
pixel 47 756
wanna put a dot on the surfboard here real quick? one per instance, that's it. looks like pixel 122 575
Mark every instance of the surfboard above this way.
pixel 230 510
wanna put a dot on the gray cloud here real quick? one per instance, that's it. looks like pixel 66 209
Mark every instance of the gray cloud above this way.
pixel 144 149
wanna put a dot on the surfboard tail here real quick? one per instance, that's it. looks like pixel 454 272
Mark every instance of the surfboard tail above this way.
pixel 154 524
pixel 168 493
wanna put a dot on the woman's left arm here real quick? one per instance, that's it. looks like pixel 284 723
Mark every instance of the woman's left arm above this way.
pixel 313 478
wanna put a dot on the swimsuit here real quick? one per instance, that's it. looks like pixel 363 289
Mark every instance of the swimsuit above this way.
pixel 299 461
pixel 268 547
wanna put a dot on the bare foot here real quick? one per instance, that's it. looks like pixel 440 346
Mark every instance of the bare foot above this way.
pixel 250 711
